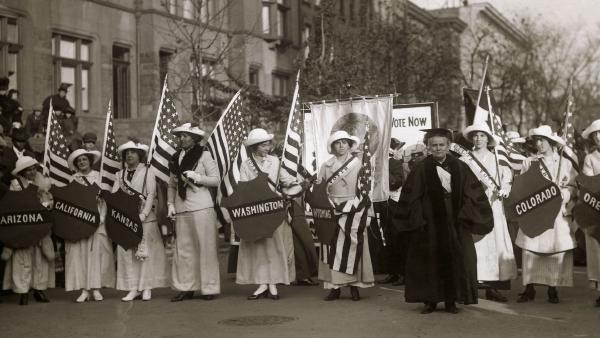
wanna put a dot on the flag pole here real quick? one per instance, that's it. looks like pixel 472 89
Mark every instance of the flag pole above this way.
pixel 565 126
pixel 152 140
pixel 491 116
pixel 485 67
pixel 46 145
pixel 289 123
pixel 108 113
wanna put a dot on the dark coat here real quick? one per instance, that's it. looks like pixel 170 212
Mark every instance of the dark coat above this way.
pixel 35 124
pixel 9 159
pixel 58 103
pixel 442 263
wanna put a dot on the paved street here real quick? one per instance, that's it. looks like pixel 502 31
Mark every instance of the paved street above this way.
pixel 300 313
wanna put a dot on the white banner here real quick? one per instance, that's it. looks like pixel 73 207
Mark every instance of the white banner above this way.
pixel 409 119
pixel 351 116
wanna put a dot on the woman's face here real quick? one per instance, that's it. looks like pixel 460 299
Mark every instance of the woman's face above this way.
pixel 132 158
pixel 480 139
pixel 263 149
pixel 542 144
pixel 30 173
pixel 186 140
pixel 596 138
pixel 341 147
pixel 82 163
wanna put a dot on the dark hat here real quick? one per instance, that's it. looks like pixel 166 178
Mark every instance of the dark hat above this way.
pixel 20 135
pixel 69 109
pixel 64 87
pixel 442 132
pixel 4 82
pixel 90 137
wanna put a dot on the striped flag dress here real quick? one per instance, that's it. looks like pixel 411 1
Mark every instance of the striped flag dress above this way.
pixel 57 151
pixel 344 256
pixel 110 156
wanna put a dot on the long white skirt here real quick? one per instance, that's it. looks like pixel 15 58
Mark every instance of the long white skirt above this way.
pixel 195 263
pixel 267 260
pixel 89 263
pixel 362 277
pixel 592 248
pixel 152 272
pixel 495 256
pixel 548 269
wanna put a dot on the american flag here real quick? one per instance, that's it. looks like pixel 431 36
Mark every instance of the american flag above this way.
pixel 56 154
pixel 346 252
pixel 507 154
pixel 292 146
pixel 110 156
pixel 225 145
pixel 567 131
pixel 164 143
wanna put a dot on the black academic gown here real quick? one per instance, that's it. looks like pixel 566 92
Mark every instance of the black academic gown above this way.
pixel 442 263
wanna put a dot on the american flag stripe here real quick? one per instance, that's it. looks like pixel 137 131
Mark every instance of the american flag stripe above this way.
pixel 57 151
pixel 164 142
pixel 567 131
pixel 110 157
pixel 292 147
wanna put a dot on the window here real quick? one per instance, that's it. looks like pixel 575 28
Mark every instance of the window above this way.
pixel 281 21
pixel 266 18
pixel 171 6
pixel 253 76
pixel 305 39
pixel 197 10
pixel 121 89
pixel 9 50
pixel 72 65
pixel 280 84
pixel 164 58
pixel 208 72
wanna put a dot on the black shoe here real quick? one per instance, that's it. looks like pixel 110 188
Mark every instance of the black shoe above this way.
pixel 40 297
pixel 527 295
pixel 333 295
pixel 388 279
pixel 263 294
pixel 24 300
pixel 354 293
pixel 208 297
pixel 399 282
pixel 552 295
pixel 598 302
pixel 272 296
pixel 305 282
pixel 429 308
pixel 183 296
pixel 495 296
pixel 450 307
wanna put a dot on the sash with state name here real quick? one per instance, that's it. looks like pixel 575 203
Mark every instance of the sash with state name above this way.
pixel 477 168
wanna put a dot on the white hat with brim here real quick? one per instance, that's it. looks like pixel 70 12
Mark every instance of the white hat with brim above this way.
pixel 515 137
pixel 341 135
pixel 592 128
pixel 78 152
pixel 132 145
pixel 546 131
pixel 24 163
pixel 188 128
pixel 480 127
pixel 257 136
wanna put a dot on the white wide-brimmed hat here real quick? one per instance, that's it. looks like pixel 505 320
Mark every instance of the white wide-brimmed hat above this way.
pixel 190 129
pixel 595 126
pixel 78 152
pixel 546 131
pixel 515 137
pixel 256 136
pixel 133 145
pixel 341 135
pixel 24 163
pixel 481 127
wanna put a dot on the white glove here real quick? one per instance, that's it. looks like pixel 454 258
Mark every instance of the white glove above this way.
pixel 142 217
pixel 6 253
pixel 170 210
pixel 192 176
pixel 504 192
pixel 16 125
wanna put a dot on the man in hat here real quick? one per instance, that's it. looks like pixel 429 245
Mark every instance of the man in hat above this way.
pixel 11 155
pixel 60 103
pixel 444 204
pixel 35 122
pixel 5 120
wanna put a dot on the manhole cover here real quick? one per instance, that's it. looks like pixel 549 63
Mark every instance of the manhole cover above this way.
pixel 257 320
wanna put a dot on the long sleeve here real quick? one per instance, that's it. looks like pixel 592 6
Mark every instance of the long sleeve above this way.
pixel 150 193
pixel 588 168
pixel 172 189
pixel 211 178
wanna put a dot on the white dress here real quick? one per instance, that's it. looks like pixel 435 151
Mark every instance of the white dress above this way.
pixel 495 256
pixel 591 167
pixel 152 272
pixel 32 267
pixel 267 260
pixel 90 262
pixel 548 258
